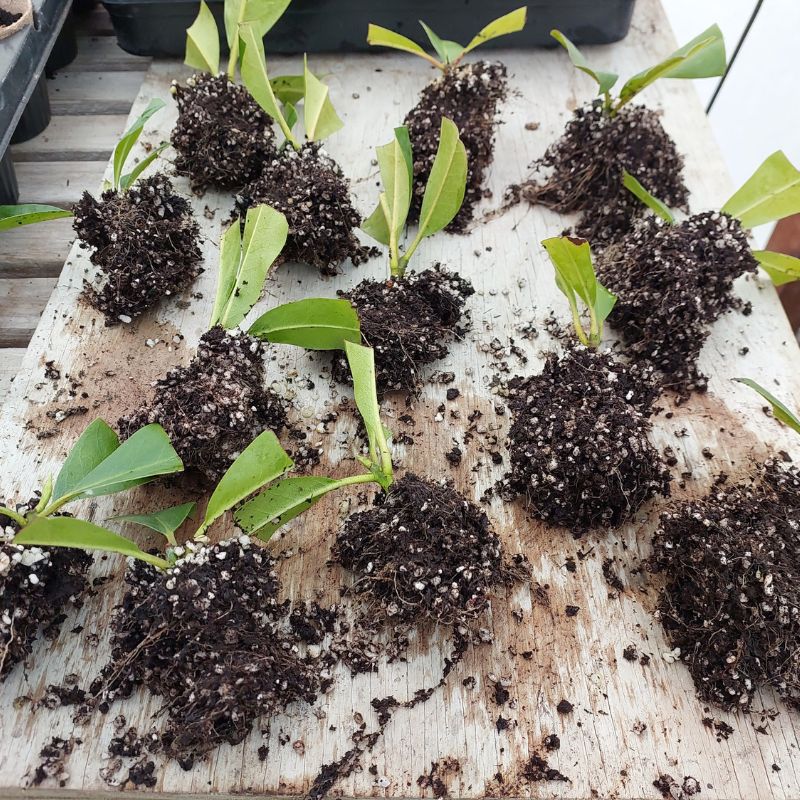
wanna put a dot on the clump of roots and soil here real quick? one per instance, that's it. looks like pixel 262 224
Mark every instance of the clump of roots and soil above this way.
pixel 222 137
pixel 211 638
pixel 672 282
pixel 409 322
pixel 309 188
pixel 731 599
pixel 579 444
pixel 424 553
pixel 468 94
pixel 36 587
pixel 582 171
pixel 215 406
pixel 145 243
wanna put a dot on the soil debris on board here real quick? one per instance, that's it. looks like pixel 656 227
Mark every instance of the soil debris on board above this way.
pixel 468 94
pixel 309 188
pixel 579 443
pixel 52 766
pixel 730 604
pixel 409 322
pixel 37 585
pixel 213 407
pixel 144 241
pixel 672 282
pixel 582 171
pixel 222 137
pixel 672 790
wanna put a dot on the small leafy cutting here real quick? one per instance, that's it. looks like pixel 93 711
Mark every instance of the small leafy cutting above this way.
pixel 780 411
pixel 450 53
pixel 702 57
pixel 576 278
pixel 96 465
pixel 126 144
pixel 443 196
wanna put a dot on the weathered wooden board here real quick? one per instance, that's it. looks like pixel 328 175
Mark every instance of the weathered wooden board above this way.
pixel 578 658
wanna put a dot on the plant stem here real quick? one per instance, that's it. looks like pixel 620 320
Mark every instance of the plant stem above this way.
pixel 18 518
pixel 55 505
pixel 149 558
pixel 403 263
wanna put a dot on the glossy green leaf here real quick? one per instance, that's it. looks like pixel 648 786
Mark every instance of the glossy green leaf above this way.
pixel 780 267
pixel 97 442
pixel 376 224
pixel 772 192
pixel 202 42
pixel 166 521
pixel 81 535
pixel 29 214
pixel 265 232
pixel 261 462
pixel 703 57
pixel 281 502
pixel 575 277
pixel 131 136
pixel 315 323
pixel 605 80
pixel 509 23
pixel 383 37
pixel 780 411
pixel 446 50
pixel 289 114
pixel 652 202
pixel 319 117
pixel 126 181
pixel 261 15
pixel 289 88
pixel 146 455
pixel 230 256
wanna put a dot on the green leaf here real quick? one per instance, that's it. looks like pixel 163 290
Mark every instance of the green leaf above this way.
pixel 383 37
pixel 376 225
pixel 261 462
pixel 314 323
pixel 166 521
pixel 605 80
pixel 261 15
pixel 202 42
pixel 281 502
pixel 780 267
pixel 95 444
pixel 289 114
pixel 652 202
pixel 131 136
pixel 703 57
pixel 147 454
pixel 575 276
pixel 772 192
pixel 780 411
pixel 509 23
pixel 126 181
pixel 28 214
pixel 319 117
pixel 230 256
pixel 446 50
pixel 289 88
pixel 265 232
pixel 81 535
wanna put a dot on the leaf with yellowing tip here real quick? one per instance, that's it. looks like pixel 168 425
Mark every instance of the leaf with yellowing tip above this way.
pixel 202 42
pixel 780 267
pixel 605 80
pixel 319 116
pixel 509 23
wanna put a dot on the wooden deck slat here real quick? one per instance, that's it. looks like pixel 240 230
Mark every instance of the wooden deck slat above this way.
pixel 10 359
pixel 103 54
pixel 36 251
pixel 58 183
pixel 94 93
pixel 73 138
pixel 23 301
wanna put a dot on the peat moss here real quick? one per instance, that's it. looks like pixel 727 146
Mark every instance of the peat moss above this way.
pixel 145 243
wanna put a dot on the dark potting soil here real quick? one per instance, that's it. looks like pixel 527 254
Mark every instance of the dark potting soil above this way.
pixel 215 406
pixel 36 587
pixel 210 637
pixel 731 562
pixel 582 171
pixel 144 242
pixel 424 553
pixel 467 94
pixel 579 443
pixel 310 189
pixel 222 137
pixel 409 322
pixel 8 18
pixel 672 282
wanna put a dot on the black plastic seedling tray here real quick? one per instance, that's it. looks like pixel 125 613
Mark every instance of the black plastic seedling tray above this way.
pixel 155 28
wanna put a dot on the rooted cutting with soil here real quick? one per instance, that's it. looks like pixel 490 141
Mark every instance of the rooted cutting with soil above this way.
pixel 731 566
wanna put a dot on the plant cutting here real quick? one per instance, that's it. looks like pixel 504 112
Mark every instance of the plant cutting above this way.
pixel 579 443
pixel 39 579
pixel 466 93
pixel 410 320
pixel 582 171
pixel 675 278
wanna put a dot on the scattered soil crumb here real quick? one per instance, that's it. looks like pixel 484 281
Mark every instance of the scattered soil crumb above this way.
pixel 672 790
pixel 439 774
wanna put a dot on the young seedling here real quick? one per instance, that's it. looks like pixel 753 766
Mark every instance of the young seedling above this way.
pixel 450 53
pixel 779 410
pixel 444 193
pixel 576 278
pixel 702 57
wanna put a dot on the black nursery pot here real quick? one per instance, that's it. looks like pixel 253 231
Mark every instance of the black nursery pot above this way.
pixel 155 28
